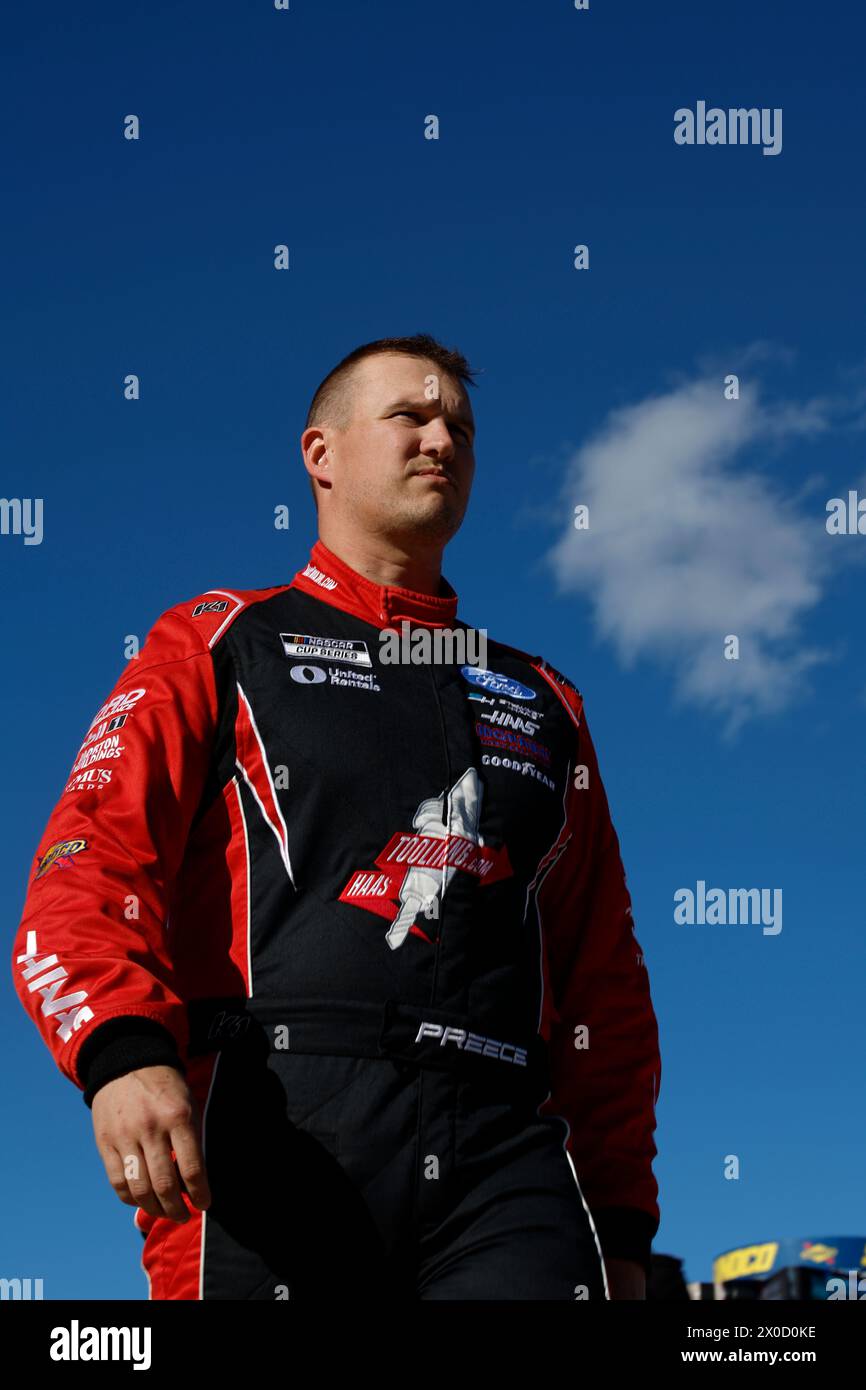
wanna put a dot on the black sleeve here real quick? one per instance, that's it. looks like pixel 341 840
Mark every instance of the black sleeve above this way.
pixel 626 1233
pixel 122 1045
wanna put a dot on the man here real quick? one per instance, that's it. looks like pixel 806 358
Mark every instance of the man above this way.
pixel 339 948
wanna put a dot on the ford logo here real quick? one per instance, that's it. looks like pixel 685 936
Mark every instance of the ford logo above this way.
pixel 498 684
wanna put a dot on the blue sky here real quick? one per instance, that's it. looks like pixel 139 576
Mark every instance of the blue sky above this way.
pixel 601 387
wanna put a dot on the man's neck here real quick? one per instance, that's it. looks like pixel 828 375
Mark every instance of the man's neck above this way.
pixel 385 562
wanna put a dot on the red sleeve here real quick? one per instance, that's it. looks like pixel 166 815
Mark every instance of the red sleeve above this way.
pixel 91 945
pixel 606 1087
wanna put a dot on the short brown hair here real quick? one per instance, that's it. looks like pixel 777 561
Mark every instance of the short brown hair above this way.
pixel 332 400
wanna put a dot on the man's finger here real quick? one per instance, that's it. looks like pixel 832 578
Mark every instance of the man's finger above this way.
pixel 116 1176
pixel 137 1176
pixel 164 1179
pixel 190 1163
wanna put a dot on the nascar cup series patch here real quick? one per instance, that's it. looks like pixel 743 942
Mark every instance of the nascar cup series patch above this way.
pixel 302 647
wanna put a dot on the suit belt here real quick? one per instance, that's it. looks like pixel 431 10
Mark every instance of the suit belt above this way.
pixel 417 1033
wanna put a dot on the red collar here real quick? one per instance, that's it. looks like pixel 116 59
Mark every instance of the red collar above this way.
pixel 330 579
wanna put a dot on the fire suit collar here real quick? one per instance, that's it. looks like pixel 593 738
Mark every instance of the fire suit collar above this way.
pixel 330 579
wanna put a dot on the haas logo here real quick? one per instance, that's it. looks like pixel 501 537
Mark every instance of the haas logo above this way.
pixel 413 870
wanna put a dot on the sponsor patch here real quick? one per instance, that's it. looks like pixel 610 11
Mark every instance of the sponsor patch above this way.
pixel 60 855
pixel 506 720
pixel 410 876
pixel 110 747
pixel 91 777
pixel 499 703
pixel 335 675
pixel 512 742
pixel 324 581
pixel 212 606
pixel 101 744
pixel 44 975
pixel 120 704
pixel 302 647
pixel 105 726
pixel 524 767
pixel 497 684
pixel 308 675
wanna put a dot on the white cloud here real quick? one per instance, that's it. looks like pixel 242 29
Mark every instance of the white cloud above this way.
pixel 685 546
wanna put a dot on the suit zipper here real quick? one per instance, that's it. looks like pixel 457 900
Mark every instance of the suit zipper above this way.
pixel 446 813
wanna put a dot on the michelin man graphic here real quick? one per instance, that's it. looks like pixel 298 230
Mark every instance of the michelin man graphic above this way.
pixel 423 887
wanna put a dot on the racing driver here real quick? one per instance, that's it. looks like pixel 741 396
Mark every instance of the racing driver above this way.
pixel 337 944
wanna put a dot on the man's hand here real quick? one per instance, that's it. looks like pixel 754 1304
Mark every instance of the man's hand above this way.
pixel 137 1121
pixel 625 1279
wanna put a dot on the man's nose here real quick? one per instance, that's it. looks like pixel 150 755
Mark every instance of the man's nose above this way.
pixel 436 441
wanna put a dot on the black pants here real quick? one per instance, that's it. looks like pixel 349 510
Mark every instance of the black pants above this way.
pixel 357 1179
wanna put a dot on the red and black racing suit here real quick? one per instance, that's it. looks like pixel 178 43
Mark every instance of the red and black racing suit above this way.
pixel 376 912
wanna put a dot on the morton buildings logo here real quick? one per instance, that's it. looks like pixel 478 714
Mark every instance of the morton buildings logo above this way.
pixel 736 126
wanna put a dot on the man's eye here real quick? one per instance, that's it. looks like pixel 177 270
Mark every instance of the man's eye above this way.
pixel 415 416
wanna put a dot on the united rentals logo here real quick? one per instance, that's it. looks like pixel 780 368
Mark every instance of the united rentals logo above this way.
pixel 59 856
pixel 413 871
pixel 349 676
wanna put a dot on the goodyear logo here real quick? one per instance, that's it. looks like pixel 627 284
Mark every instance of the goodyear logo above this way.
pixel 751 1259
pixel 60 854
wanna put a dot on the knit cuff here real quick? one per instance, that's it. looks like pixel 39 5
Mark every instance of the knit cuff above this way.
pixel 122 1045
pixel 626 1233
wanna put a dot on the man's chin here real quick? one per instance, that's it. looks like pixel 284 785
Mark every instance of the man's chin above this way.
pixel 432 523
